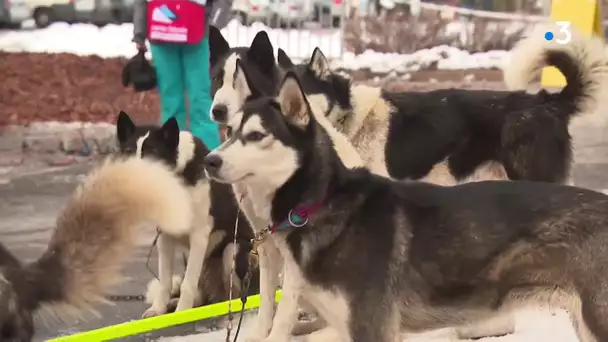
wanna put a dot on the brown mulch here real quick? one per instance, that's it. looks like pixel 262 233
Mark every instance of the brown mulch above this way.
pixel 66 87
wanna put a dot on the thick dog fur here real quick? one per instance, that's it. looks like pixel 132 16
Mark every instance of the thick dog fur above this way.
pixel 209 240
pixel 381 256
pixel 94 234
pixel 452 136
pixel 531 55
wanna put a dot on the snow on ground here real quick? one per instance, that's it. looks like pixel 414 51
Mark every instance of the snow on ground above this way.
pixel 115 41
pixel 531 326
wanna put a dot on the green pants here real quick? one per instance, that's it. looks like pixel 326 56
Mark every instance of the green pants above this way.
pixel 183 71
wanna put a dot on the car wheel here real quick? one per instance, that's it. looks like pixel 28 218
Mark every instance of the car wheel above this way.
pixel 43 17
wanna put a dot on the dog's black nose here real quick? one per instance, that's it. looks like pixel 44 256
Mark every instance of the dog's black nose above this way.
pixel 212 163
pixel 219 112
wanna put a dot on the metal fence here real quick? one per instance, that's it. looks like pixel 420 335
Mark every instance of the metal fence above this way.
pixel 298 26
pixel 295 26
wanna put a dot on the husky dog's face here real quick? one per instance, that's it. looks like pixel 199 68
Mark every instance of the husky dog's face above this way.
pixel 259 57
pixel 268 139
pixel 162 143
pixel 324 89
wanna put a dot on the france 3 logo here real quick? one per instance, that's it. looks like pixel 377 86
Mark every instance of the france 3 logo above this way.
pixel 565 35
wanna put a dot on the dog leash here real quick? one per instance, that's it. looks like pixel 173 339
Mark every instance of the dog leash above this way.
pixel 244 287
pixel 154 242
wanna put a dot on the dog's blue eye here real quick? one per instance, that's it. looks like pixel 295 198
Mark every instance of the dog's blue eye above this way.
pixel 254 136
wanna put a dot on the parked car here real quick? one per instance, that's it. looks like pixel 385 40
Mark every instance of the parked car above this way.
pixel 99 12
pixel 13 13
pixel 249 11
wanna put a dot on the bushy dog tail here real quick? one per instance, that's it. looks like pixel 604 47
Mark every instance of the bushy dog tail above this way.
pixel 97 230
pixel 582 61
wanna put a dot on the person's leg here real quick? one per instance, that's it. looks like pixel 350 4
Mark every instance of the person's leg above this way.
pixel 168 64
pixel 198 88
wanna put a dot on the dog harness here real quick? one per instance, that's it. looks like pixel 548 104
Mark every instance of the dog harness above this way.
pixel 176 21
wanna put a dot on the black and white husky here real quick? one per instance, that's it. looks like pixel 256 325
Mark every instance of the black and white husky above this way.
pixel 453 136
pixel 259 60
pixel 209 240
pixel 376 256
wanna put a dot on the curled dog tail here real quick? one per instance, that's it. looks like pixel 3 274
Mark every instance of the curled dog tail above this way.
pixel 582 61
pixel 97 230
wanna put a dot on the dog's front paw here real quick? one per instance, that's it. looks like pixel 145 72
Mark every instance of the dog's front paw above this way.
pixel 154 311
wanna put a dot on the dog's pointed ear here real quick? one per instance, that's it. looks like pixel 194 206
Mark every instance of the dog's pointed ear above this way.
pixel 284 60
pixel 242 81
pixel 218 46
pixel 262 53
pixel 125 127
pixel 170 133
pixel 292 100
pixel 319 65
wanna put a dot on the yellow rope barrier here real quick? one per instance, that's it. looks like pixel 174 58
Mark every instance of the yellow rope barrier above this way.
pixel 159 322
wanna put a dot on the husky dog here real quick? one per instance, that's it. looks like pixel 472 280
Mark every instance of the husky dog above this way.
pixel 260 57
pixel 454 136
pixel 94 234
pixel 376 256
pixel 210 238
pixel 270 261
pixel 259 60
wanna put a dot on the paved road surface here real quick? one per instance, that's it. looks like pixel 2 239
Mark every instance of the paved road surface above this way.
pixel 31 198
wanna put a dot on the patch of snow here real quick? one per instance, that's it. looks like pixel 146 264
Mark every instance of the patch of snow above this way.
pixel 531 326
pixel 445 57
pixel 115 41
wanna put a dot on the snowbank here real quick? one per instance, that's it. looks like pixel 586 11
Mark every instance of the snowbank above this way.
pixel 115 41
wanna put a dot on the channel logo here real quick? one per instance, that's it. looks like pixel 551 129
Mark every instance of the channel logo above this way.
pixel 564 32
